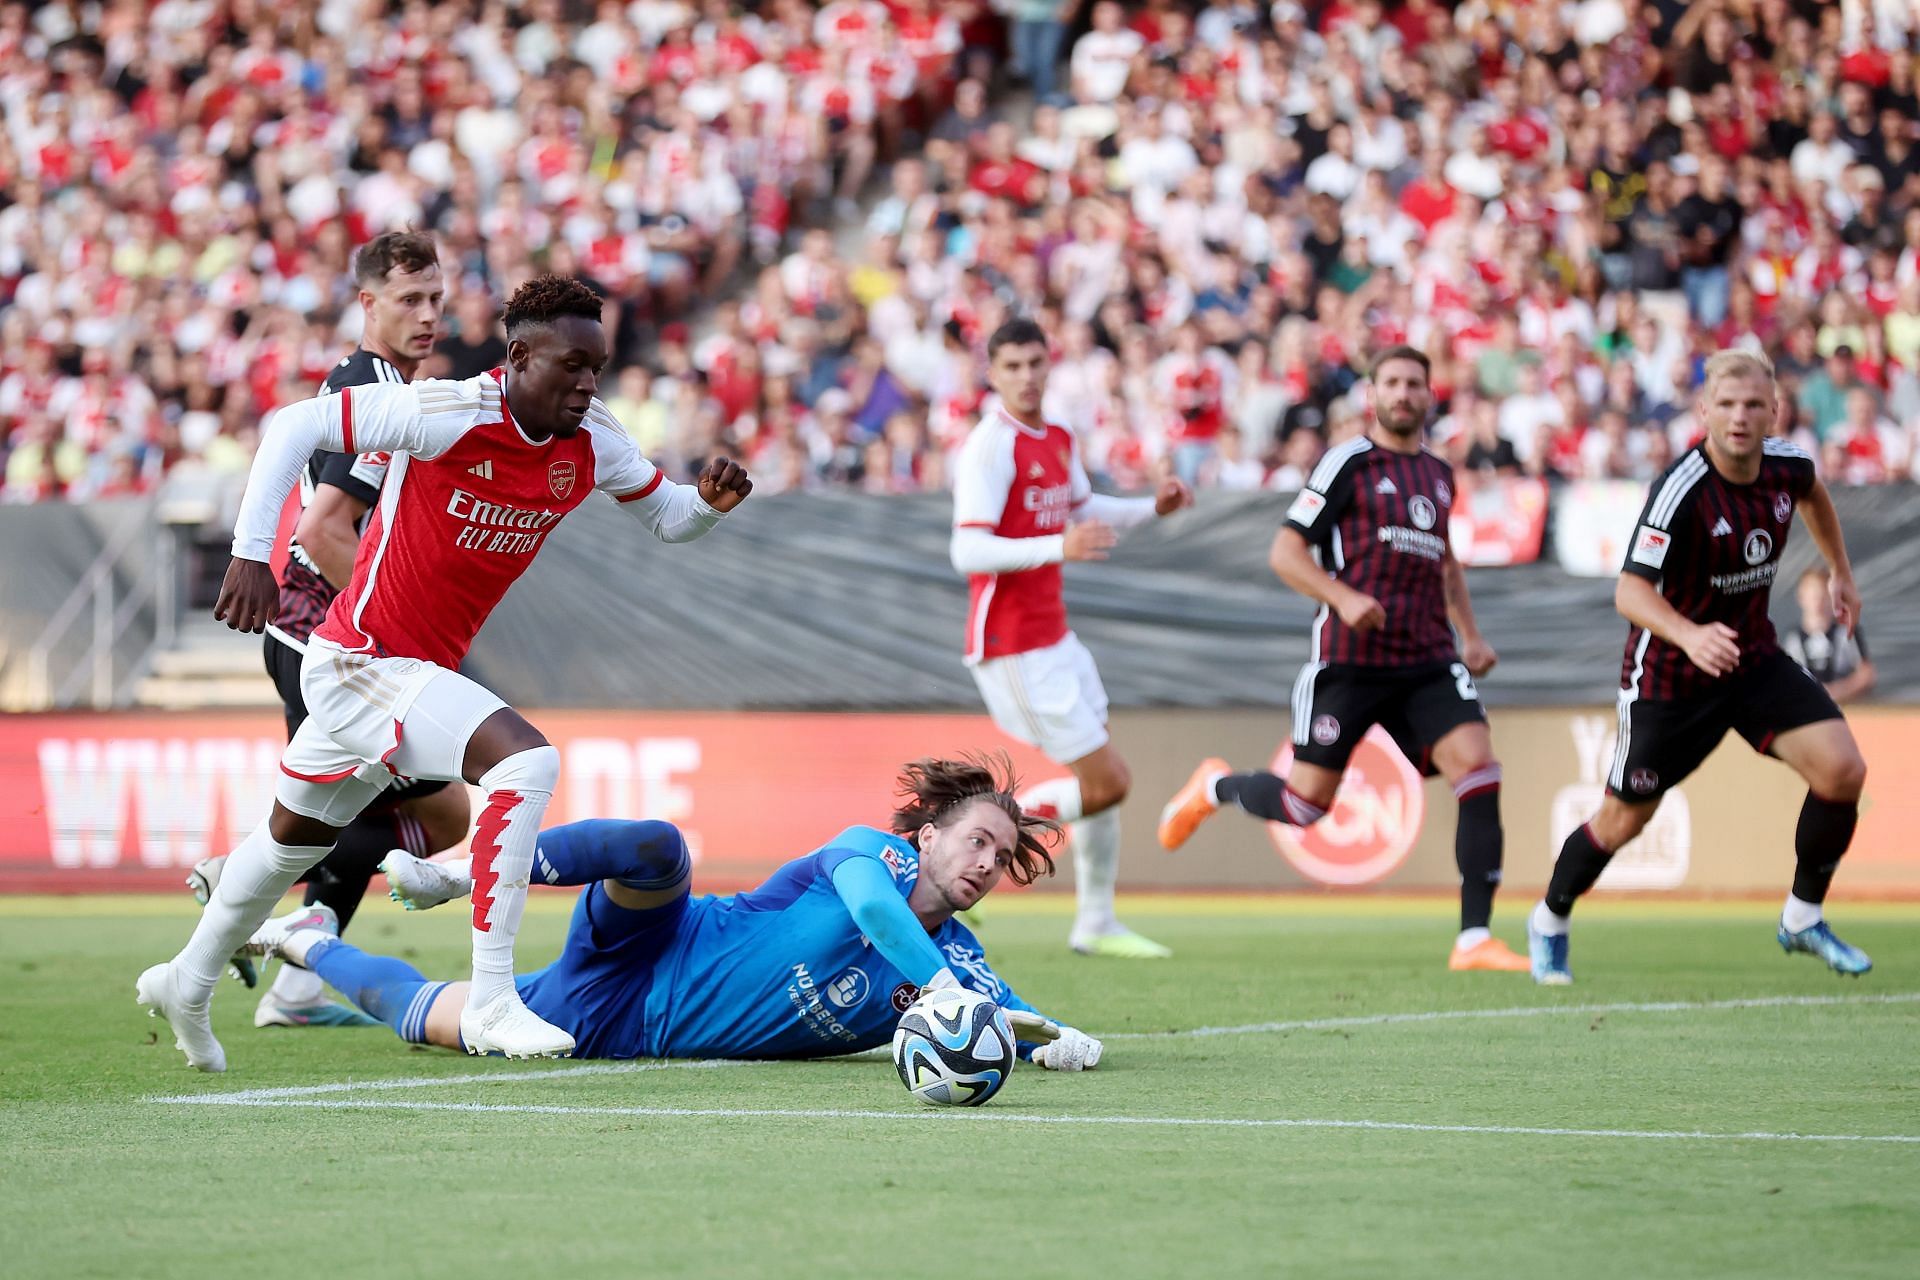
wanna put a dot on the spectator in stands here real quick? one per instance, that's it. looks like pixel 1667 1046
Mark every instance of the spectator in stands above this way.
pixel 1600 197
pixel 1834 655
pixel 1823 393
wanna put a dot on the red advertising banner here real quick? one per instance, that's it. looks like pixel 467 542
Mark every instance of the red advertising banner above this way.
pixel 109 802
pixel 1500 521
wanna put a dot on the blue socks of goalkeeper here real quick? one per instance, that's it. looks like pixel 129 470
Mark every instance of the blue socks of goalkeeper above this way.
pixel 385 988
pixel 640 855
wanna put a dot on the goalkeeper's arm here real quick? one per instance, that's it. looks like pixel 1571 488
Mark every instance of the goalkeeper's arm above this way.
pixel 874 902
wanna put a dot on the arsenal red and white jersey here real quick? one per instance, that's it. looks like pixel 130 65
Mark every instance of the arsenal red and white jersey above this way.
pixel 1018 482
pixel 468 502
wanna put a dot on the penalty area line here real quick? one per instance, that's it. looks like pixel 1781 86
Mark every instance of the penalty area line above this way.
pixel 1014 1117
pixel 1520 1011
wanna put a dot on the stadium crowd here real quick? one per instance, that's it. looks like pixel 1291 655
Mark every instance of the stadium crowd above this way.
pixel 1219 209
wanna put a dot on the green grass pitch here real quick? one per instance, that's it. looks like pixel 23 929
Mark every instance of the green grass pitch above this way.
pixel 1797 1094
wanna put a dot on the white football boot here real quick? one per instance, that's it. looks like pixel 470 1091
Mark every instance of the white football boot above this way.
pixel 192 1023
pixel 282 937
pixel 420 885
pixel 507 1027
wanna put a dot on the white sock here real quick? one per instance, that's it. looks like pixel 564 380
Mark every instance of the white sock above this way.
pixel 1471 938
pixel 1056 798
pixel 255 878
pixel 1798 915
pixel 518 789
pixel 1547 924
pixel 1096 870
pixel 1213 789
pixel 294 987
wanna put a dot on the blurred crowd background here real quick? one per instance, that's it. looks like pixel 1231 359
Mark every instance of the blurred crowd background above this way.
pixel 807 218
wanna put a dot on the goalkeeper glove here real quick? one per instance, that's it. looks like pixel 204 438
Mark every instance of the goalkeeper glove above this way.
pixel 1073 1051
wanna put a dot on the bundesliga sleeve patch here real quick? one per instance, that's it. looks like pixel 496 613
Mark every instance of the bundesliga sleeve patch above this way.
pixel 1650 548
pixel 1307 507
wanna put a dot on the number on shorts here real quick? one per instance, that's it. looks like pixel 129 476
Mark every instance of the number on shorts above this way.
pixel 1463 681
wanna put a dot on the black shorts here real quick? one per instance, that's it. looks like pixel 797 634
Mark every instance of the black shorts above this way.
pixel 1335 704
pixel 283 665
pixel 1663 741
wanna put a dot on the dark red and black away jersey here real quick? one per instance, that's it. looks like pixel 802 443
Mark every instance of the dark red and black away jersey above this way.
pixel 304 594
pixel 1377 520
pixel 1712 547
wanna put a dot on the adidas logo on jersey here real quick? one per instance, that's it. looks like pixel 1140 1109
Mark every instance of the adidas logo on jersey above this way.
pixel 1721 528
pixel 482 469
pixel 1036 471
pixel 1386 486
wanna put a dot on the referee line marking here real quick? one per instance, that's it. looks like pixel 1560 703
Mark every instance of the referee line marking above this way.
pixel 1015 1117
pixel 1519 1011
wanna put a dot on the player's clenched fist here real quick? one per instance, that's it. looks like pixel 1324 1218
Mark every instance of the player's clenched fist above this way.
pixel 249 596
pixel 1477 655
pixel 724 484
pixel 1088 540
pixel 1171 495
pixel 1714 648
pixel 1361 611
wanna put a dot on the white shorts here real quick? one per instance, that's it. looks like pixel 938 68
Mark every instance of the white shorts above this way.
pixel 1050 698
pixel 370 720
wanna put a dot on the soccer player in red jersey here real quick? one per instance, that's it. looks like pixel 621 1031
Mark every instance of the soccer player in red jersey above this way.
pixel 1702 658
pixel 1022 506
pixel 1367 538
pixel 481 471
pixel 401 295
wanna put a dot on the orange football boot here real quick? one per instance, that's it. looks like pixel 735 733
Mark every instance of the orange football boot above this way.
pixel 1488 955
pixel 1192 805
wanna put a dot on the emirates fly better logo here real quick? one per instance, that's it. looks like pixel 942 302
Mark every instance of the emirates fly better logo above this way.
pixel 1373 823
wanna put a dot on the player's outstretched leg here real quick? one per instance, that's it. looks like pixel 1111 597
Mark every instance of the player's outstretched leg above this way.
pixel 297 997
pixel 1262 794
pixel 388 990
pixel 1825 754
pixel 257 874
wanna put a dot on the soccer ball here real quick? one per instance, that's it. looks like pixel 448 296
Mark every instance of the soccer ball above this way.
pixel 953 1048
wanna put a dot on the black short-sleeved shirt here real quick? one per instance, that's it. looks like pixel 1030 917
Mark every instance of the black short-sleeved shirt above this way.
pixel 1713 548
pixel 305 595
pixel 1377 519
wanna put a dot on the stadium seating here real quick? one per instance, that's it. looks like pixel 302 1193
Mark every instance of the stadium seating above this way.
pixel 808 217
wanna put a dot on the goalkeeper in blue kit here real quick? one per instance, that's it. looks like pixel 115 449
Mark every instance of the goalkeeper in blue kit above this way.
pixel 819 960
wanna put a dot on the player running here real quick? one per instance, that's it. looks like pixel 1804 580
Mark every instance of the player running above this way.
pixel 1018 483
pixel 1367 538
pixel 481 471
pixel 819 960
pixel 1702 658
pixel 401 299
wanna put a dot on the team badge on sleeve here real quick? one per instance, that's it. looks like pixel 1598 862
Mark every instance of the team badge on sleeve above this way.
pixel 1307 507
pixel 1650 548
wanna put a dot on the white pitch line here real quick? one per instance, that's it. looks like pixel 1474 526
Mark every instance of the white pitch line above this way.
pixel 1015 1117
pixel 1250 1028
pixel 1520 1011
pixel 268 1097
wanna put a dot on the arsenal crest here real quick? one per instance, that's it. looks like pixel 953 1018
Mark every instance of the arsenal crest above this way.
pixel 560 479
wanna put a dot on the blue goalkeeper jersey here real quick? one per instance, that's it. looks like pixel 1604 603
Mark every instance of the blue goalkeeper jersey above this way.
pixel 779 972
